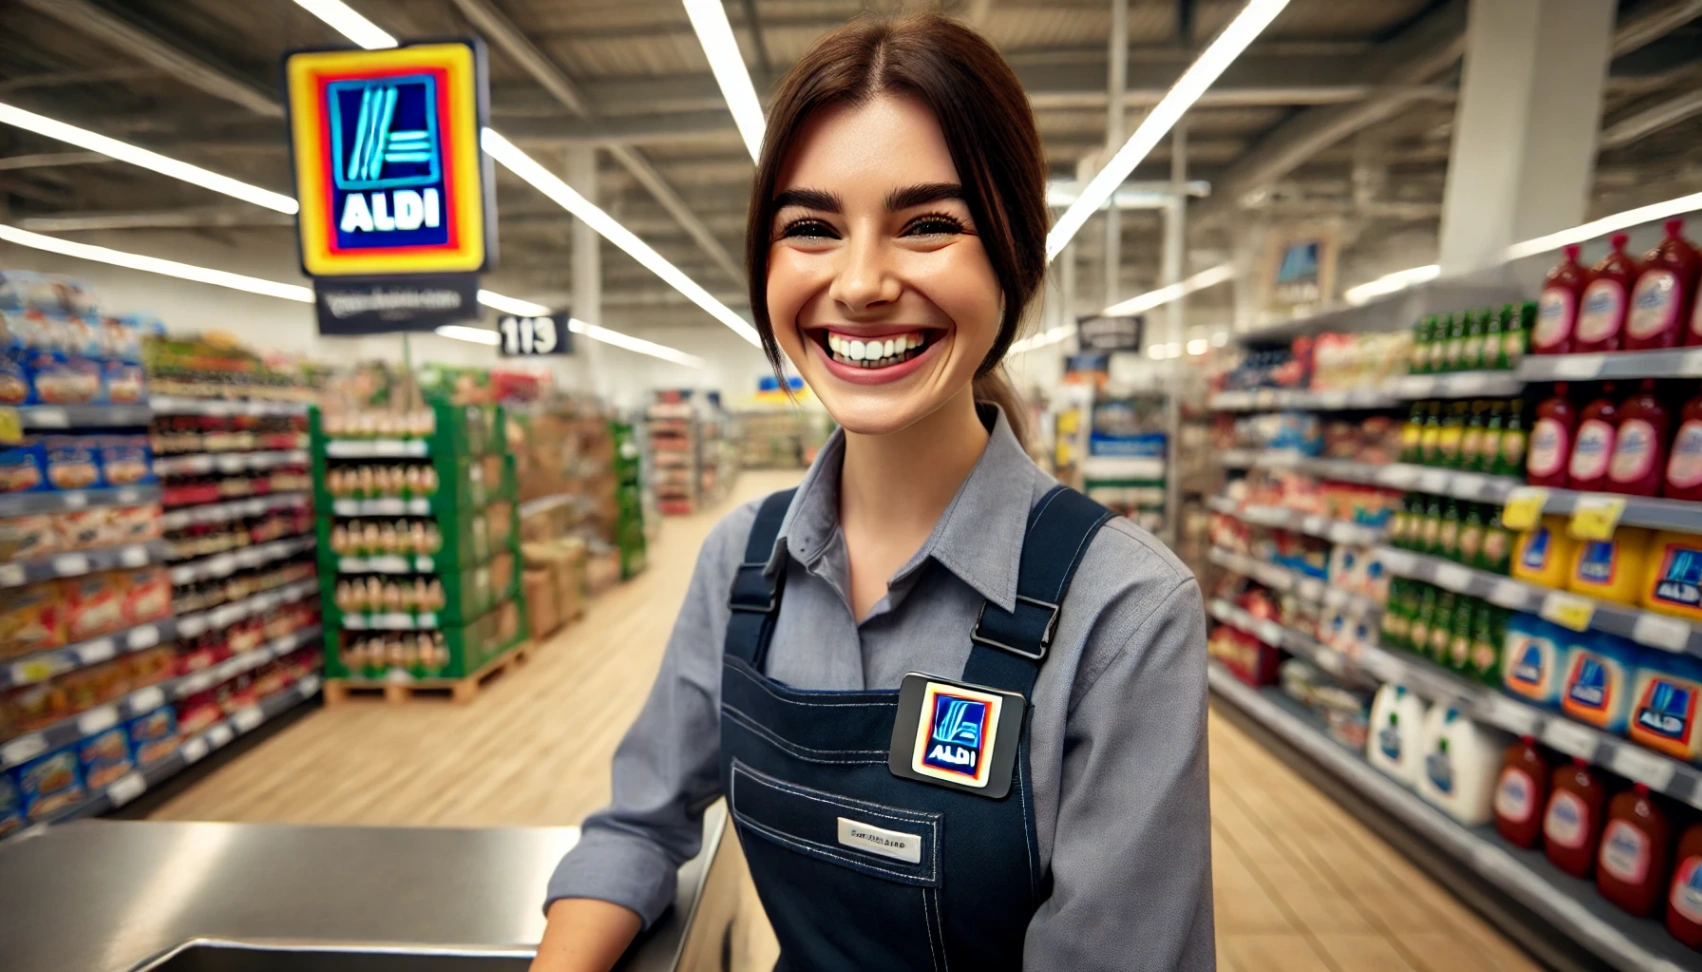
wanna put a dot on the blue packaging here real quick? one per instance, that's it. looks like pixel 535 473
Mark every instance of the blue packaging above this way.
pixel 23 467
pixel 1600 669
pixel 104 757
pixel 11 805
pixel 1533 659
pixel 152 736
pixel 125 460
pixel 50 784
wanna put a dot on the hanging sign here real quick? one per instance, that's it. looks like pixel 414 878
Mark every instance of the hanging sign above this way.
pixel 382 305
pixel 1110 333
pixel 524 337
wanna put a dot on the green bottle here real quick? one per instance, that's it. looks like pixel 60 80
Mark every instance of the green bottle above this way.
pixel 1439 343
pixel 1412 435
pixel 1471 441
pixel 1496 554
pixel 1453 430
pixel 1489 630
pixel 1431 527
pixel 1460 634
pixel 1448 534
pixel 1469 548
pixel 1515 334
pixel 1489 446
pixel 1393 631
pixel 1442 626
pixel 1399 523
pixel 1454 342
pixel 1471 352
pixel 1418 356
pixel 1430 433
pixel 1490 352
pixel 1418 637
pixel 1510 461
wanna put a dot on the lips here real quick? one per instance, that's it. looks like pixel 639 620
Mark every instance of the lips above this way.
pixel 872 356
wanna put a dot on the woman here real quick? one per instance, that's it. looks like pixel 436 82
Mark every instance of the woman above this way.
pixel 958 713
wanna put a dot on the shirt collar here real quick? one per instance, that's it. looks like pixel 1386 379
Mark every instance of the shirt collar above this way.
pixel 978 537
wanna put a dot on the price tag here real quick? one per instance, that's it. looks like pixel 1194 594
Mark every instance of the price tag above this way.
pixel 192 626
pixel 1401 476
pixel 193 750
pixel 23 749
pixel 1509 594
pixel 389 447
pixel 97 720
pixel 1314 524
pixel 1469 484
pixel 1332 399
pixel 423 563
pixel 1523 507
pixel 1578 365
pixel 76 501
pixel 133 556
pixel 49 418
pixel 34 670
pixel 11 575
pixel 1570 738
pixel 388 507
pixel 147 700
pixel 68 565
pixel 1568 610
pixel 11 426
pixel 246 719
pixel 1269 632
pixel 1395 560
pixel 419 507
pixel 346 507
pixel 427 620
pixel 1453 577
pixel 1656 631
pixel 126 788
pixel 146 636
pixel 1433 481
pixel 194 683
pixel 1469 383
pixel 354 622
pixel 1595 516
pixel 1635 763
pixel 1690 363
pixel 219 735
pixel 1330 661
pixel 99 650
pixel 221 565
pixel 309 685
pixel 1510 715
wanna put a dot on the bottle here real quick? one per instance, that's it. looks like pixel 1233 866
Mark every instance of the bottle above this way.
pixel 1412 432
pixel 1516 328
pixel 1489 633
pixel 1459 654
pixel 1639 445
pixel 1521 792
pixel 1612 569
pixel 1592 445
pixel 1665 294
pixel 1393 631
pixel 1684 901
pixel 1392 743
pixel 1515 442
pixel 1631 869
pixel 1471 439
pixel 1490 352
pixel 1419 633
pixel 1439 343
pixel 1448 535
pixel 1469 546
pixel 1431 536
pixel 1597 686
pixel 1606 299
pixel 1489 443
pixel 1453 431
pixel 1673 583
pixel 1471 352
pixel 1531 659
pixel 1663 713
pixel 1454 353
pixel 1431 434
pixel 1418 355
pixel 1442 627
pixel 1684 460
pixel 1573 818
pixel 1543 555
pixel 1497 556
pixel 1551 440
pixel 1557 305
pixel 1460 765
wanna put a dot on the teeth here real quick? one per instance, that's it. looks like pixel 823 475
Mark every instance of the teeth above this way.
pixel 859 351
pixel 874 354
pixel 887 349
pixel 833 342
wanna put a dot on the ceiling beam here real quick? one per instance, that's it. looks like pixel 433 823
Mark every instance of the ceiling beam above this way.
pixel 1653 21
pixel 1640 122
pixel 197 217
pixel 48 160
pixel 147 43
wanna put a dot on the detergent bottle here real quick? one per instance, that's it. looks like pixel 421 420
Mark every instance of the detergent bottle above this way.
pixel 1393 743
pixel 1612 570
pixel 1631 869
pixel 1664 296
pixel 1557 305
pixel 1597 686
pixel 1674 577
pixel 1663 704
pixel 1592 445
pixel 1543 555
pixel 1532 659
pixel 1573 819
pixel 1639 447
pixel 1461 759
pixel 1684 900
pixel 1606 300
pixel 1521 792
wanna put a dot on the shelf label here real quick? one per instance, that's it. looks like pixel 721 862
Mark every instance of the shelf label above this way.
pixel 1433 481
pixel 1395 560
pixel 49 418
pixel 1330 661
pixel 146 636
pixel 1401 475
pixel 76 501
pixel 11 426
pixel 1595 516
pixel 97 720
pixel 1568 610
pixel 193 750
pixel 1690 363
pixel 99 650
pixel 1635 763
pixel 133 556
pixel 192 626
pixel 22 749
pixel 11 575
pixel 126 788
pixel 1510 715
pixel 147 700
pixel 1269 632
pixel 1658 631
pixel 1453 577
pixel 309 684
pixel 66 565
pixel 1523 507
pixel 1469 484
pixel 219 735
pixel 1570 738
pixel 1314 524
pixel 1578 365
pixel 1332 399
pixel 1508 594
pixel 34 670
pixel 245 719
pixel 423 563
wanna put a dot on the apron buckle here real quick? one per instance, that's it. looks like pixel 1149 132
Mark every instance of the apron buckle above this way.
pixel 752 591
pixel 1019 623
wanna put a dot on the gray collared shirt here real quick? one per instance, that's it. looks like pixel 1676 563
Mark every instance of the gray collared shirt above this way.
pixel 1118 740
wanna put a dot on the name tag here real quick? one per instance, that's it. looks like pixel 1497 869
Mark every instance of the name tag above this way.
pixel 956 735
pixel 878 840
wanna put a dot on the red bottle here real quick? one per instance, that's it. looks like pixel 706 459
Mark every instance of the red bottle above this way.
pixel 1639 448
pixel 1684 900
pixel 1665 294
pixel 1606 300
pixel 1573 819
pixel 1551 440
pixel 1631 869
pixel 1521 792
pixel 1592 444
pixel 1557 306
pixel 1684 459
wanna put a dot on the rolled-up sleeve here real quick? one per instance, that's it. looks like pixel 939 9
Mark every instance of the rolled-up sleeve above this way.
pixel 666 767
pixel 1131 862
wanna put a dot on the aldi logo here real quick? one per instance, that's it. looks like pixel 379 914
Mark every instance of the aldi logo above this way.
pixel 1666 710
pixel 955 740
pixel 1588 686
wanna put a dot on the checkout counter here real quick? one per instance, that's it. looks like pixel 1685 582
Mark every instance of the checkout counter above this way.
pixel 129 896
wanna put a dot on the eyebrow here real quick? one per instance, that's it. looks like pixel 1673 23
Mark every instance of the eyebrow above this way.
pixel 827 202
pixel 921 195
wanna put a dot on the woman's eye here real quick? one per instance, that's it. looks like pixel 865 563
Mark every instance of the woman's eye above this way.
pixel 933 226
pixel 808 229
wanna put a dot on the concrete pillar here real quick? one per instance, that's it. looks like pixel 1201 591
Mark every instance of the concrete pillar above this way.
pixel 587 269
pixel 1525 127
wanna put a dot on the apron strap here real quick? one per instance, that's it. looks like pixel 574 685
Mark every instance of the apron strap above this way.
pixel 1010 646
pixel 755 596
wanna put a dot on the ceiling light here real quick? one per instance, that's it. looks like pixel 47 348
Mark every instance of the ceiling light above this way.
pixel 148 264
pixel 1198 346
pixel 512 305
pixel 709 19
pixel 1135 195
pixel 1652 213
pixel 464 332
pixel 1157 298
pixel 631 343
pixel 340 17
pixel 1391 283
pixel 1043 339
pixel 546 182
pixel 125 152
pixel 1212 62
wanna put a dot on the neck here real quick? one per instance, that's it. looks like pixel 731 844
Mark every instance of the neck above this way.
pixel 904 479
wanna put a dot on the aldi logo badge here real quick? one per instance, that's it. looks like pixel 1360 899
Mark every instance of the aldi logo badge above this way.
pixel 957 735
pixel 959 726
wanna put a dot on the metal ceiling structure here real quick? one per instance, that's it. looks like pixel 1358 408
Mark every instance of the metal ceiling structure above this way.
pixel 1341 110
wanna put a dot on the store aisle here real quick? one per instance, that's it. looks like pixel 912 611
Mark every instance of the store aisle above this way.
pixel 1300 884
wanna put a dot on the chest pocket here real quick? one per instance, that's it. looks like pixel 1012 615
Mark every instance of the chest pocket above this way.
pixel 869 873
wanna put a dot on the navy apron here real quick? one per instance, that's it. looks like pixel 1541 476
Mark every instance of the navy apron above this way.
pixel 960 875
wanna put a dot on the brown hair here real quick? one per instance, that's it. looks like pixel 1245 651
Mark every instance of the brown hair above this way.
pixel 984 115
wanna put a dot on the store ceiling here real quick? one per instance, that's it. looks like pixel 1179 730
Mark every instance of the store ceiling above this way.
pixel 1342 110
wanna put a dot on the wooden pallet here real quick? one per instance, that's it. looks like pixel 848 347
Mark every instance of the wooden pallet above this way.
pixel 339 691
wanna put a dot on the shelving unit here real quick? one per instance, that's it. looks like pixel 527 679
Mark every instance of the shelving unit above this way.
pixel 1283 579
pixel 70 501
pixel 1614 366
pixel 76 563
pixel 1311 524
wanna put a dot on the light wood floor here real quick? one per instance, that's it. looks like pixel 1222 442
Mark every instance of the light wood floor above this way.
pixel 1300 884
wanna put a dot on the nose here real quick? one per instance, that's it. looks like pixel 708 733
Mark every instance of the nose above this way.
pixel 864 281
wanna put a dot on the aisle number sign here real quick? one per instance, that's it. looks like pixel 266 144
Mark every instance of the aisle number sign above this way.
pixel 388 169
pixel 527 336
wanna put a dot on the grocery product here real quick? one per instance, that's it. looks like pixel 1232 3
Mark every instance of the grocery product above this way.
pixel 1573 819
pixel 1684 460
pixel 1489 636
pixel 1516 321
pixel 1460 763
pixel 1397 723
pixel 31 619
pixel 1497 551
pixel 1640 442
pixel 1515 441
pixel 1684 899
pixel 1665 293
pixel 1612 570
pixel 1597 687
pixel 1521 793
pixel 1631 868
pixel 1557 305
pixel 1544 555
pixel 1592 444
pixel 1663 704
pixel 1551 440
pixel 50 783
pixel 11 801
pixel 1532 659
pixel 1674 579
pixel 104 757
pixel 1605 301
pixel 152 736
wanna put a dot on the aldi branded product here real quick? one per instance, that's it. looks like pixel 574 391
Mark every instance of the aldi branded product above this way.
pixel 1631 868
pixel 1395 741
pixel 1611 570
pixel 1544 554
pixel 1521 792
pixel 1663 704
pixel 1460 763
pixel 1532 663
pixel 1573 818
pixel 1674 578
pixel 1600 668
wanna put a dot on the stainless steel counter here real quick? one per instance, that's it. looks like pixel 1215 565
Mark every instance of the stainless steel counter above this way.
pixel 112 896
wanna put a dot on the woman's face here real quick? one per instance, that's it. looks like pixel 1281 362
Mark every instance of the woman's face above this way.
pixel 878 286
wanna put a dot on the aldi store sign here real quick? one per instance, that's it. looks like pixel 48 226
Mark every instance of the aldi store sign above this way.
pixel 388 169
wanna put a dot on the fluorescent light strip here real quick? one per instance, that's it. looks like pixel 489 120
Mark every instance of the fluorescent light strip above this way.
pixel 1043 339
pixel 1607 224
pixel 125 152
pixel 465 332
pixel 484 335
pixel 546 182
pixel 342 18
pixel 148 264
pixel 709 19
pixel 1391 283
pixel 1247 25
pixel 1164 295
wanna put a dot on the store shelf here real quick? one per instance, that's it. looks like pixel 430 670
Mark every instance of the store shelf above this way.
pixel 47 417
pixel 69 501
pixel 390 621
pixel 1238 458
pixel 1461 384
pixel 1295 642
pixel 193 625
pixel 43 665
pixel 1561 607
pixel 226 564
pixel 22 749
pixel 1283 579
pixel 543 504
pixel 377 448
pixel 202 463
pixel 241 662
pixel 191 751
pixel 1311 524
pixel 1122 467
pixel 233 510
pixel 80 562
pixel 1384 312
pixel 1573 907
pixel 1660 514
pixel 391 564
pixel 1303 399
pixel 179 405
pixel 1476 487
pixel 382 506
pixel 1674 363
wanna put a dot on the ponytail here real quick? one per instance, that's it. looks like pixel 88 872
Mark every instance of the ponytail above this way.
pixel 995 388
